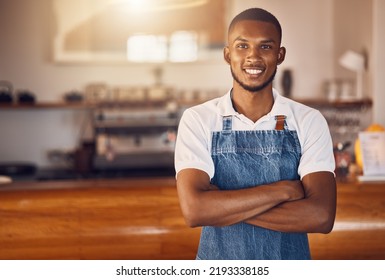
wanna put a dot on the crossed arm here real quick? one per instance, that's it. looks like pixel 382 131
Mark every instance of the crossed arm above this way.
pixel 290 206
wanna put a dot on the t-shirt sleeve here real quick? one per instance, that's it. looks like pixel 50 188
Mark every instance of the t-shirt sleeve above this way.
pixel 192 149
pixel 317 149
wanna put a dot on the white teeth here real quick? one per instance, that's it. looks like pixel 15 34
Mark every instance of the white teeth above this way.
pixel 253 71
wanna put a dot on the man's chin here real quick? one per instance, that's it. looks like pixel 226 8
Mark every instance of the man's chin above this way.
pixel 255 88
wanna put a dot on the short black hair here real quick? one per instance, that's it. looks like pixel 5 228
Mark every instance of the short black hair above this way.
pixel 257 14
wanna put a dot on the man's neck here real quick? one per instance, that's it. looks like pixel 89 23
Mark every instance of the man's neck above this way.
pixel 253 105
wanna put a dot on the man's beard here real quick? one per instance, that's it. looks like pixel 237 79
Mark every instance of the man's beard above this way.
pixel 254 88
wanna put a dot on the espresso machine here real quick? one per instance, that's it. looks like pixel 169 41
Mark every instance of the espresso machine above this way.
pixel 135 137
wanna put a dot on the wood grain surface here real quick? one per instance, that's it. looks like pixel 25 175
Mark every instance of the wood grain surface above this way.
pixel 141 219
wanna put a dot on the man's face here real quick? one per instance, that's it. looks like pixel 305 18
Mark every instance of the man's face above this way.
pixel 253 53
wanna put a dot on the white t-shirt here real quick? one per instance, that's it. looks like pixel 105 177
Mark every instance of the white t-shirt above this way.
pixel 193 143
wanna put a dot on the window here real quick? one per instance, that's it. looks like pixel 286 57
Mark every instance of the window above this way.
pixel 181 46
pixel 138 30
pixel 147 48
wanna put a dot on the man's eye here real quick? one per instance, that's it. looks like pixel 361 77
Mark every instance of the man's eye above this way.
pixel 266 47
pixel 242 46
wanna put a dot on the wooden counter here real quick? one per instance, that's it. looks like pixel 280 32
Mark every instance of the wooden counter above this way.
pixel 91 219
pixel 359 230
pixel 141 219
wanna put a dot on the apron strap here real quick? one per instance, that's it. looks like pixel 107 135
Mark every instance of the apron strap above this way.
pixel 281 122
pixel 227 124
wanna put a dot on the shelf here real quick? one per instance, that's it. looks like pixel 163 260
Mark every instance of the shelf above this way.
pixel 137 123
pixel 337 103
pixel 44 105
pixel 150 129
pixel 83 105
pixel 151 105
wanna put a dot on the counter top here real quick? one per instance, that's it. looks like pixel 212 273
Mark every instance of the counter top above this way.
pixel 56 174
pixel 90 183
pixel 94 219
pixel 140 218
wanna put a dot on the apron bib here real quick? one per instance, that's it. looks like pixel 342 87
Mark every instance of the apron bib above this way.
pixel 244 159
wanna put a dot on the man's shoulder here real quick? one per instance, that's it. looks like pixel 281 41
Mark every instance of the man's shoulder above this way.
pixel 300 109
pixel 301 117
pixel 206 110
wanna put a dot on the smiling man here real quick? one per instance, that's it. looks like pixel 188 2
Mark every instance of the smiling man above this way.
pixel 255 169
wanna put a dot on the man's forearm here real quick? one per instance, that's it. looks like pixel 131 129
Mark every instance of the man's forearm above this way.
pixel 314 213
pixel 221 208
pixel 295 216
pixel 203 205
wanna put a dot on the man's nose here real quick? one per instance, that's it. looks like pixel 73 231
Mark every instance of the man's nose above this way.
pixel 254 54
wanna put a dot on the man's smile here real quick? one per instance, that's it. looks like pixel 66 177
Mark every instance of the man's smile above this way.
pixel 253 71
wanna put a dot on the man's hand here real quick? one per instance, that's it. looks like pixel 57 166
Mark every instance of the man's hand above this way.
pixel 293 188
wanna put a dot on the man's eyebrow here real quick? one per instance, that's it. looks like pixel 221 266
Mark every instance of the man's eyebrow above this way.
pixel 266 41
pixel 239 38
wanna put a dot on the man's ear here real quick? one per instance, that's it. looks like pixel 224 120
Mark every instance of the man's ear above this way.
pixel 226 54
pixel 281 55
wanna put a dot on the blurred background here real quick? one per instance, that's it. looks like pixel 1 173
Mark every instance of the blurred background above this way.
pixel 91 93
pixel 95 84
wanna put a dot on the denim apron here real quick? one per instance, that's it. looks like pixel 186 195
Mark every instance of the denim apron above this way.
pixel 244 159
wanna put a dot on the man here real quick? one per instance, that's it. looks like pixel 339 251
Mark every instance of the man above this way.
pixel 254 168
